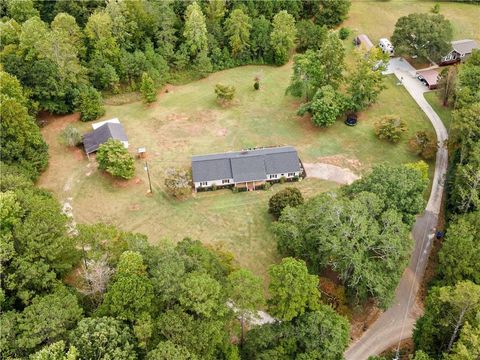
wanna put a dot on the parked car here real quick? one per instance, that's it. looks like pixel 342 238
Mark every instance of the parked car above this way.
pixel 422 80
pixel 351 120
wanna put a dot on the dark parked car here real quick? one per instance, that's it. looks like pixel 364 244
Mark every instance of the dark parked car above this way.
pixel 351 120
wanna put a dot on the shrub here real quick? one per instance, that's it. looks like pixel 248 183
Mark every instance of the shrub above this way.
pixel 113 158
pixel 344 33
pixel 289 196
pixel 148 90
pixel 70 136
pixel 424 144
pixel 282 180
pixel 89 102
pixel 435 9
pixel 214 187
pixel 224 93
pixel 178 182
pixel 256 84
pixel 267 186
pixel 390 128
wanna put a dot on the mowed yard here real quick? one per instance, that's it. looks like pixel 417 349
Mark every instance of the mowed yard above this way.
pixel 377 18
pixel 187 121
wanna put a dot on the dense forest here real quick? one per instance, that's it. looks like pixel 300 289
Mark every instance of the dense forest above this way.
pixel 96 292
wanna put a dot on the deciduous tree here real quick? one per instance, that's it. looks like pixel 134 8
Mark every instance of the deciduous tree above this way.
pixel 326 106
pixel 282 37
pixel 424 35
pixel 89 103
pixel 332 12
pixel 289 196
pixel 292 289
pixel 424 144
pixel 390 127
pixel 113 158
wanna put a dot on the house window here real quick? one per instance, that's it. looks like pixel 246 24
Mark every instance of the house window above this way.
pixel 204 183
pixel 291 174
pixel 273 176
pixel 227 181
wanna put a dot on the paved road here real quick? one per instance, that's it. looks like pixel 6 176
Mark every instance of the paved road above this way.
pixel 397 322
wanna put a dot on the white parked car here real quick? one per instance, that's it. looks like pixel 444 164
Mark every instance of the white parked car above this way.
pixel 386 46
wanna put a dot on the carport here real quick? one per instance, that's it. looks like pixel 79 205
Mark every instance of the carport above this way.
pixel 428 77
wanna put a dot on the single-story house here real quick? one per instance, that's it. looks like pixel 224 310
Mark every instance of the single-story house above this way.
pixel 461 49
pixel 362 40
pixel 429 78
pixel 102 132
pixel 245 169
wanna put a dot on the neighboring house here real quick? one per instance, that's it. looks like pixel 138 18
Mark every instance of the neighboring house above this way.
pixel 102 132
pixel 362 40
pixel 429 78
pixel 245 169
pixel 386 46
pixel 461 49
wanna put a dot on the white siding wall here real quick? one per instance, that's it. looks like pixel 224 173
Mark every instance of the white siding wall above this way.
pixel 125 144
pixel 211 183
pixel 285 175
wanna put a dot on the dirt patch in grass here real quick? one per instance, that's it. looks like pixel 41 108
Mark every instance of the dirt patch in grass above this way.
pixel 342 161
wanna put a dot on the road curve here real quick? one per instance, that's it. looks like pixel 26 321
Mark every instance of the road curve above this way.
pixel 397 322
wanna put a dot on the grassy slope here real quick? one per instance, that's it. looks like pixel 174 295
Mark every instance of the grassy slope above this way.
pixel 445 113
pixel 377 18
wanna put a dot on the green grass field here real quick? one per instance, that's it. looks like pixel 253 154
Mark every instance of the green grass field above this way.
pixel 187 121
pixel 377 18
pixel 445 113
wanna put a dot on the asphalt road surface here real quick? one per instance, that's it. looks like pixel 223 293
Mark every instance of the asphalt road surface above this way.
pixel 397 322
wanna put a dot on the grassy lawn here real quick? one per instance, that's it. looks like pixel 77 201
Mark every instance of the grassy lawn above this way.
pixel 444 112
pixel 187 121
pixel 377 18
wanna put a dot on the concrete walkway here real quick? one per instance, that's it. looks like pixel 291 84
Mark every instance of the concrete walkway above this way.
pixel 397 322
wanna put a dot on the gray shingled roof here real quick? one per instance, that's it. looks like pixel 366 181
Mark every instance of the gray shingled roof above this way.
pixel 245 165
pixel 465 46
pixel 93 140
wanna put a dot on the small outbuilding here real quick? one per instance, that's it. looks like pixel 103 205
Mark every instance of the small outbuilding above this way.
pixel 429 78
pixel 461 50
pixel 102 132
pixel 363 40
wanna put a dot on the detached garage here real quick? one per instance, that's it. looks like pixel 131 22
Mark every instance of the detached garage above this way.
pixel 102 132
pixel 429 78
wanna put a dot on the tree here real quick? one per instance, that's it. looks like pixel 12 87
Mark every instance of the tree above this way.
pixel 94 275
pixel 260 47
pixel 103 338
pixel 316 69
pixel 34 242
pixel 282 37
pixel 424 144
pixel 326 106
pixel 246 293
pixel 47 319
pixel 21 10
pixel 195 30
pixel 113 158
pixel 147 88
pixel 421 166
pixel 202 295
pixel 468 345
pixel 289 196
pixel 366 82
pixel 465 194
pixel 55 351
pixel 310 36
pixel 341 234
pixel 424 35
pixel 292 289
pixel 400 187
pixel 89 102
pixel 447 309
pixel 131 293
pixel 447 84
pixel 332 12
pixel 167 350
pixel 178 182
pixel 237 28
pixel 225 93
pixel 321 334
pixel 70 136
pixel 21 141
pixel 390 128
pixel 459 256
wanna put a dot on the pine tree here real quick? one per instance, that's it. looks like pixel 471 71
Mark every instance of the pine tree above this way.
pixel 149 93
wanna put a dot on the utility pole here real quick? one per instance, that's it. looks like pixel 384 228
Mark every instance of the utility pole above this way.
pixel 148 174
